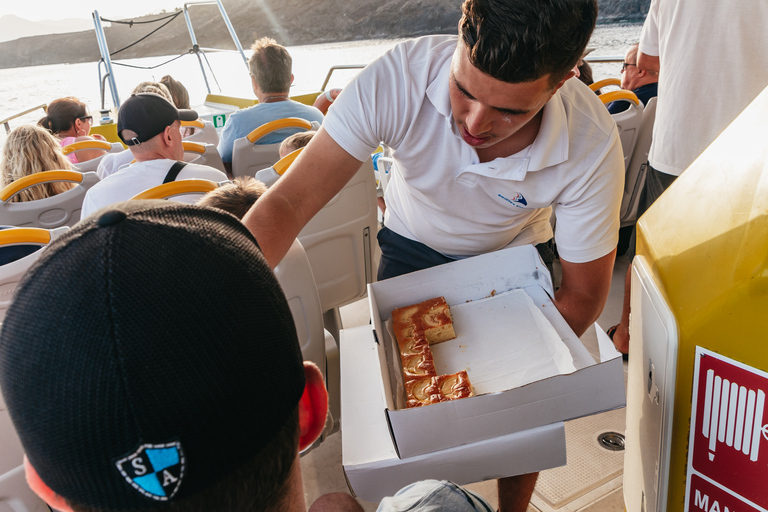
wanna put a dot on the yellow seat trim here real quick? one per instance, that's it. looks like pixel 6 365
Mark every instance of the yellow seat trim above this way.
pixel 86 144
pixel 604 83
pixel 284 163
pixel 36 179
pixel 197 123
pixel 288 122
pixel 25 236
pixel 619 95
pixel 193 147
pixel 177 188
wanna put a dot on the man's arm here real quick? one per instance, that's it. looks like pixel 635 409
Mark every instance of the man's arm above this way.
pixel 584 290
pixel 318 174
pixel 648 63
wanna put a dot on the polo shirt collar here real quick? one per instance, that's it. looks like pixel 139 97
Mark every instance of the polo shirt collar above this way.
pixel 551 144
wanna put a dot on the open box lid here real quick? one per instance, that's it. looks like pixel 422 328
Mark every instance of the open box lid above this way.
pixel 593 387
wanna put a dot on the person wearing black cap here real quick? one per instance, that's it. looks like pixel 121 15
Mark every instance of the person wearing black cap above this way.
pixel 150 126
pixel 135 390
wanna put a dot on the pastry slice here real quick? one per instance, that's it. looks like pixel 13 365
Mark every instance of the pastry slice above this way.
pixel 418 365
pixel 452 387
pixel 436 321
pixel 422 391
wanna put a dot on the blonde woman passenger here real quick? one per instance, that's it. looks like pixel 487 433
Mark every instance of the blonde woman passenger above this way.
pixel 28 150
pixel 69 120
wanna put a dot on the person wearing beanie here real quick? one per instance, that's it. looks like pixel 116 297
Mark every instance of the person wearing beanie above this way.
pixel 132 389
pixel 150 126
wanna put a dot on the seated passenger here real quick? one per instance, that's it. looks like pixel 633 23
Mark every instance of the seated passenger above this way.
pixel 165 405
pixel 112 162
pixel 179 97
pixel 149 125
pixel 69 121
pixel 30 149
pixel 644 83
pixel 236 197
pixel 271 78
pixel 295 141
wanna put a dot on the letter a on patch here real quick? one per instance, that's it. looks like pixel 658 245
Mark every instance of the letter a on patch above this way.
pixel 155 470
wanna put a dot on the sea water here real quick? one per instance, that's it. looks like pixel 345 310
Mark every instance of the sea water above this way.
pixel 26 87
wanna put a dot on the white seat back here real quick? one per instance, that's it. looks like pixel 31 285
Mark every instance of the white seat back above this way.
pixel 204 133
pixel 628 123
pixel 93 164
pixel 59 210
pixel 295 276
pixel 634 180
pixel 249 157
pixel 338 241
pixel 11 273
pixel 203 154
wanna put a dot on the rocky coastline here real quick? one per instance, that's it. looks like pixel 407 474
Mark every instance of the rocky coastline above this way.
pixel 290 22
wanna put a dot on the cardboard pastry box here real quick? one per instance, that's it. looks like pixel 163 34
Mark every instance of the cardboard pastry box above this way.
pixel 527 367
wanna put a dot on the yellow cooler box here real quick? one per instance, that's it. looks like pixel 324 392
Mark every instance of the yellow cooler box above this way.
pixel 697 431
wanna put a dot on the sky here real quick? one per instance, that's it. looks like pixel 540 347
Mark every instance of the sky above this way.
pixel 39 10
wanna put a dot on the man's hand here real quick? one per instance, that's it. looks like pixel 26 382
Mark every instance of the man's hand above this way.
pixel 584 290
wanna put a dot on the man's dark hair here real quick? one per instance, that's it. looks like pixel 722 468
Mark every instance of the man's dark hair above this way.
pixel 258 485
pixel 270 64
pixel 522 40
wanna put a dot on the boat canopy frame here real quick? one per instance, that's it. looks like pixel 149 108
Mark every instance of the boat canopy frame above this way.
pixel 107 75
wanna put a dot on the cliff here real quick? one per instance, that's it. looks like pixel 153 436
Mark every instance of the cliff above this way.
pixel 290 22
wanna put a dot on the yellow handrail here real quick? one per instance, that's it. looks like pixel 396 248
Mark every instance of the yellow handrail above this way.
pixel 193 147
pixel 86 144
pixel 288 122
pixel 619 95
pixel 177 188
pixel 197 123
pixel 17 186
pixel 25 236
pixel 605 82
pixel 284 163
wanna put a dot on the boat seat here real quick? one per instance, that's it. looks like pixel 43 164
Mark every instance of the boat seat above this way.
pixel 59 210
pixel 270 175
pixel 204 133
pixel 203 154
pixel 295 276
pixel 634 181
pixel 627 121
pixel 91 165
pixel 249 157
pixel 606 82
pixel 183 191
pixel 15 495
pixel 11 272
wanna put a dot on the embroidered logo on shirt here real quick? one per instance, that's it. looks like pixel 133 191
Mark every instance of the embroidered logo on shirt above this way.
pixel 518 200
pixel 155 470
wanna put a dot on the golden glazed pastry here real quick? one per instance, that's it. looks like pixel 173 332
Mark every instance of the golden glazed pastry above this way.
pixel 416 327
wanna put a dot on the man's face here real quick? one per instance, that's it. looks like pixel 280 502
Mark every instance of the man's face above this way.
pixel 629 70
pixel 487 110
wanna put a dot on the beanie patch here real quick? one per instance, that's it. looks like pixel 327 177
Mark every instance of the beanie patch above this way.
pixel 155 470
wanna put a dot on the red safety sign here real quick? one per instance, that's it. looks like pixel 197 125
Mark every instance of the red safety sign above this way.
pixel 728 444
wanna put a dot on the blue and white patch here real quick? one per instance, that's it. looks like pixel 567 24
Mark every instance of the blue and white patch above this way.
pixel 155 470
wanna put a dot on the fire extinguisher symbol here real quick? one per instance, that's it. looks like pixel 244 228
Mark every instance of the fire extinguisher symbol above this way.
pixel 733 415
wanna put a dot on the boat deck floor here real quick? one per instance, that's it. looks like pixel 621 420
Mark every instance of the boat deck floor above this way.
pixel 590 482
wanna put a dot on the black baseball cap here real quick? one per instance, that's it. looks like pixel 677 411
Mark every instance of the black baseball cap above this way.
pixel 148 114
pixel 148 354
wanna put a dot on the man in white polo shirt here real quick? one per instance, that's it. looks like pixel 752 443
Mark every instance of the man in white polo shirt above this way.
pixel 487 134
pixel 150 126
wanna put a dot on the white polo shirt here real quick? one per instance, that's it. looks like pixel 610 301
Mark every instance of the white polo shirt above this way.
pixel 714 62
pixel 138 177
pixel 441 195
